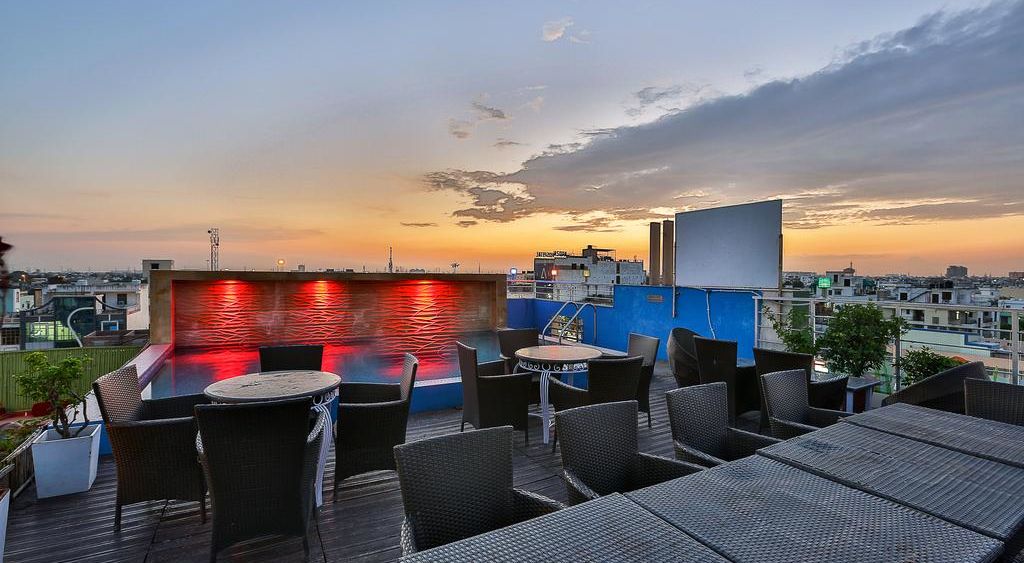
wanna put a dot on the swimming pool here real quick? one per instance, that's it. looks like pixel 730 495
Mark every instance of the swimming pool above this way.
pixel 190 369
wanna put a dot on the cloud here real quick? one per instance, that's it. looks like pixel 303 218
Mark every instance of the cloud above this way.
pixel 536 103
pixel 467 223
pixel 924 124
pixel 555 30
pixel 460 128
pixel 486 112
pixel 583 36
pixel 507 143
pixel 419 224
pixel 464 128
pixel 670 98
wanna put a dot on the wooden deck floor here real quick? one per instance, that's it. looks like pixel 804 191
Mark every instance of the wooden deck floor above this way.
pixel 361 525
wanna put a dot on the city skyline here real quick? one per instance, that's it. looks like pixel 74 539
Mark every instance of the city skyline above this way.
pixel 469 133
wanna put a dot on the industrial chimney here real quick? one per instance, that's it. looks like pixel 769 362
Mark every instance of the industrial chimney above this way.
pixel 668 270
pixel 654 261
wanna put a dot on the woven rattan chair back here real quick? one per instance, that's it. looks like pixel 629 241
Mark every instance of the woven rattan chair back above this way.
pixel 300 356
pixel 456 486
pixel 254 460
pixel 599 444
pixel 770 361
pixel 682 357
pixel 613 379
pixel 468 369
pixel 785 394
pixel 117 394
pixel 410 365
pixel 511 340
pixel 943 391
pixel 994 400
pixel 699 416
pixel 716 360
pixel 643 346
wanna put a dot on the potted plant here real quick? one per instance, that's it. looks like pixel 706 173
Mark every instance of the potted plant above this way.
pixel 857 339
pixel 65 456
pixel 794 330
pixel 924 362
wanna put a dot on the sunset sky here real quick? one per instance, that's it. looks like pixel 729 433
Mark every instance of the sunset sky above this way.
pixel 481 132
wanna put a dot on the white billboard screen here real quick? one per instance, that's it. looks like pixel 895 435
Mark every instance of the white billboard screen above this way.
pixel 735 246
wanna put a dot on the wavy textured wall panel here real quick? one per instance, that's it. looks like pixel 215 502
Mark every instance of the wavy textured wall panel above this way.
pixel 420 316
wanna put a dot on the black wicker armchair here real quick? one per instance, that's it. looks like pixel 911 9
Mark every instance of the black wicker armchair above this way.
pixel 260 460
pixel 153 442
pixel 700 426
pixel 826 394
pixel 372 419
pixel 647 348
pixel 943 391
pixel 511 340
pixel 460 485
pixel 716 362
pixel 300 356
pixel 789 413
pixel 490 397
pixel 600 454
pixel 994 400
pixel 682 357
pixel 608 380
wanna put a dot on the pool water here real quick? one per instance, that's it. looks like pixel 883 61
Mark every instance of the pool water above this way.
pixel 190 370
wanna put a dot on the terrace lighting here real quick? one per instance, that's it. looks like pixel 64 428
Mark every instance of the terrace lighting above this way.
pixel 512 272
pixel 554 273
pixel 280 263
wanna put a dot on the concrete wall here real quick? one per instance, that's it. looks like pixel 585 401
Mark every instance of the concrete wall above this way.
pixel 648 310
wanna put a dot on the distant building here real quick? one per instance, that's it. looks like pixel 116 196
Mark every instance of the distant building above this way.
pixel 569 277
pixel 956 272
pixel 843 283
pixel 150 265
pixel 1019 276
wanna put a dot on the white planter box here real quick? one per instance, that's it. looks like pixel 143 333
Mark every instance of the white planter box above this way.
pixel 5 508
pixel 66 466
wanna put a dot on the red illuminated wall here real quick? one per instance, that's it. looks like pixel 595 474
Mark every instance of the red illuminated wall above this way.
pixel 418 316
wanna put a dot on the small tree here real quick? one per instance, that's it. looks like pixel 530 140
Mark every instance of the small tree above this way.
pixel 794 329
pixel 857 338
pixel 923 362
pixel 56 385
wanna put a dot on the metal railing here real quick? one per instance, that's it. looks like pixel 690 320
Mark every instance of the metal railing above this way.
pixel 570 320
pixel 992 335
pixel 598 293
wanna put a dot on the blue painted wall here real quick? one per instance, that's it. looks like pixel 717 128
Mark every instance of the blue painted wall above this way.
pixel 637 309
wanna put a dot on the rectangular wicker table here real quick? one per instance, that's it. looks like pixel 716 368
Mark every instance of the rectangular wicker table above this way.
pixel 607 529
pixel 757 509
pixel 975 436
pixel 978 494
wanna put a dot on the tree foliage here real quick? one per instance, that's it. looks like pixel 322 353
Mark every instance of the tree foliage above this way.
pixel 794 329
pixel 924 362
pixel 57 385
pixel 857 338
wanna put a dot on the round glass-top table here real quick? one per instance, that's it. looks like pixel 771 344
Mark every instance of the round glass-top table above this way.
pixel 321 386
pixel 546 360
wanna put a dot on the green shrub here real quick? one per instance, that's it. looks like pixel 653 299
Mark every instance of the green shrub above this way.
pixel 56 384
pixel 857 338
pixel 924 362
pixel 794 329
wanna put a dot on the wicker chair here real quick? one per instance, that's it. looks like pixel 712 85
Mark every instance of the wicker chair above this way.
pixel 716 362
pixel 682 357
pixel 302 356
pixel 943 391
pixel 789 413
pixel 460 485
pixel 511 340
pixel 600 455
pixel 260 460
pixel 491 398
pixel 153 442
pixel 700 426
pixel 827 394
pixel 994 400
pixel 647 348
pixel 372 419
pixel 608 380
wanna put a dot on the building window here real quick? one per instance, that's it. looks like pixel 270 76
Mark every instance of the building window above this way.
pixel 846 282
pixel 10 336
pixel 122 299
pixel 903 296
pixel 154 266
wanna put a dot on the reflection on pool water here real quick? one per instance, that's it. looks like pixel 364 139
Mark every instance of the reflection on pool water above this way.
pixel 190 370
